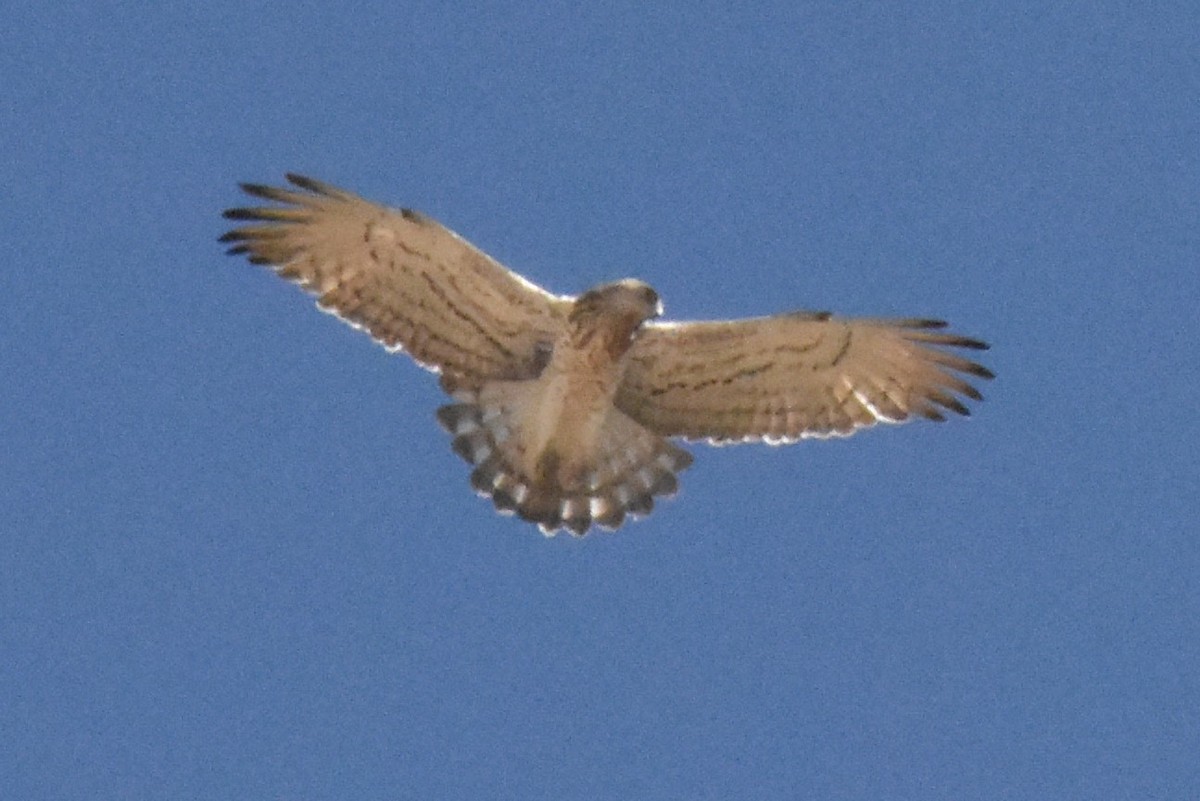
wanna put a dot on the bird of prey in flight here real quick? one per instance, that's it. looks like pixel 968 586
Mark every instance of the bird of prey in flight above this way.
pixel 566 407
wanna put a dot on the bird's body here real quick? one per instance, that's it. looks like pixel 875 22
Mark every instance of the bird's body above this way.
pixel 554 448
pixel 565 406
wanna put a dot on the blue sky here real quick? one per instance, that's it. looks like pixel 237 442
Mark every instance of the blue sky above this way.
pixel 239 560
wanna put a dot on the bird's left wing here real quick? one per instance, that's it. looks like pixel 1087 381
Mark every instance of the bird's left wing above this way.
pixel 795 375
pixel 408 281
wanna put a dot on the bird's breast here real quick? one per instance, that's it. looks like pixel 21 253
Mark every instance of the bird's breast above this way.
pixel 575 397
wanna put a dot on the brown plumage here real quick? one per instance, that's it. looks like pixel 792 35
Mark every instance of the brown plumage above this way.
pixel 563 405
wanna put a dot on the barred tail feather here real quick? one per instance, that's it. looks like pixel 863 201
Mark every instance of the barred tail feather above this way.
pixel 629 469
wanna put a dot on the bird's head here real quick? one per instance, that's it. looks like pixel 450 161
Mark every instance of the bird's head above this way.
pixel 617 309
pixel 629 300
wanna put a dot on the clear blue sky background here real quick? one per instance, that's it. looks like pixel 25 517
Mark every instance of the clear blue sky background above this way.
pixel 239 560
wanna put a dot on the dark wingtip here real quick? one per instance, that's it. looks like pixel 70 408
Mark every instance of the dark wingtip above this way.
pixel 258 190
pixel 981 371
pixel 930 413
pixel 956 406
pixel 304 182
pixel 971 392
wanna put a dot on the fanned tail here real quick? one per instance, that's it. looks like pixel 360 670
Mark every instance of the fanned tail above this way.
pixel 630 467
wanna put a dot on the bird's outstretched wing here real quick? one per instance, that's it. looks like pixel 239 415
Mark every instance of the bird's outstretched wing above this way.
pixel 411 283
pixel 790 376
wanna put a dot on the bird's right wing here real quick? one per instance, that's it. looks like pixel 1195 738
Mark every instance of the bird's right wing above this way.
pixel 408 281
